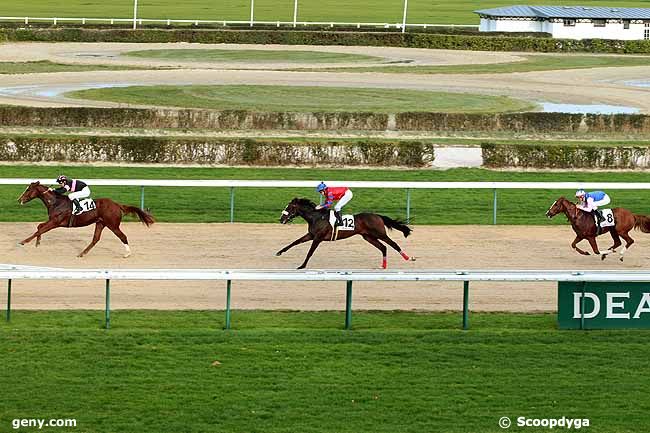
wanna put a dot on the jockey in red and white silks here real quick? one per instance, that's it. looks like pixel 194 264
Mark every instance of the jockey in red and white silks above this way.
pixel 342 194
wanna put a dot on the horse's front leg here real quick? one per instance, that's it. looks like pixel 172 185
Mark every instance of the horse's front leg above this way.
pixel 298 241
pixel 313 247
pixel 574 245
pixel 40 230
pixel 594 245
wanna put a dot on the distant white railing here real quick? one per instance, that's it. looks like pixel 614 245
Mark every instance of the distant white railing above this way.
pixel 225 23
pixel 407 186
pixel 19 272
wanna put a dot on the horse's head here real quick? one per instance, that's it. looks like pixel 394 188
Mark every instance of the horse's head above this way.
pixel 32 191
pixel 295 208
pixel 559 206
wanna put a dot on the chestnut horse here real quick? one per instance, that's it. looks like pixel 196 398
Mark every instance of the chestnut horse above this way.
pixel 59 208
pixel 370 226
pixel 585 227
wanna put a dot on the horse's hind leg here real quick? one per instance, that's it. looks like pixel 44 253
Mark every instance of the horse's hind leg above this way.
pixel 612 249
pixel 381 247
pixel 384 237
pixel 123 238
pixel 628 243
pixel 98 234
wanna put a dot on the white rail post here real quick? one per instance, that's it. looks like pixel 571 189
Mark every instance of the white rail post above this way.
pixel 252 12
pixel 135 14
pixel 406 5
pixel 295 12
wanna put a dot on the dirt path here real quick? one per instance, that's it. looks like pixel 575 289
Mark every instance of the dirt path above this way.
pixel 253 246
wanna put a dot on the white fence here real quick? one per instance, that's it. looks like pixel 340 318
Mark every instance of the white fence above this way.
pixel 225 23
pixel 28 273
pixel 407 186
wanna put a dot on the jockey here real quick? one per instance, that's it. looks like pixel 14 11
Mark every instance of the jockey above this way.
pixel 590 201
pixel 341 193
pixel 76 188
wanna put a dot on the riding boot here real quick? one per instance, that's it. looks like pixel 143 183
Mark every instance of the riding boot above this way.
pixel 339 219
pixel 76 207
pixel 599 219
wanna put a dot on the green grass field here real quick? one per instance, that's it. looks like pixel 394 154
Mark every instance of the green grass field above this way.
pixel 532 63
pixel 263 205
pixel 251 55
pixel 300 372
pixel 298 98
pixel 47 66
pixel 420 11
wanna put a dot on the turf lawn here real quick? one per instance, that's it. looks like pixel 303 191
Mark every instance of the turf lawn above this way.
pixel 419 11
pixel 198 55
pixel 47 66
pixel 300 372
pixel 264 205
pixel 301 99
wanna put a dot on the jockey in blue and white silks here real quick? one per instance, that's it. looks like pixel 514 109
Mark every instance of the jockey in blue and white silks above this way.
pixel 591 201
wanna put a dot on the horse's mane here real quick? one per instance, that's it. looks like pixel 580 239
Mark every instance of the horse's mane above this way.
pixel 304 202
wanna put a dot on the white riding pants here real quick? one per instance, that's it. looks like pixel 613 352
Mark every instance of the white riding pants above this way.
pixel 79 194
pixel 343 201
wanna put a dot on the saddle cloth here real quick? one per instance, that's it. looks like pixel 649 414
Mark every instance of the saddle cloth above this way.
pixel 608 214
pixel 87 205
pixel 348 222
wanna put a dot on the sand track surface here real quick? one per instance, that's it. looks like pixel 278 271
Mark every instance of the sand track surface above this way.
pixel 253 246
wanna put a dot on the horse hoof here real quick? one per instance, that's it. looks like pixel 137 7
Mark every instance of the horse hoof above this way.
pixel 602 257
pixel 300 267
pixel 278 254
pixel 412 259
pixel 621 259
pixel 126 256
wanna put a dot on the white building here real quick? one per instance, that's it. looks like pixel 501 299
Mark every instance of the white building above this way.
pixel 569 22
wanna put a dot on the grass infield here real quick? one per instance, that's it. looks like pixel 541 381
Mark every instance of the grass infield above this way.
pixel 304 98
pixel 263 205
pixel 290 56
pixel 47 66
pixel 300 372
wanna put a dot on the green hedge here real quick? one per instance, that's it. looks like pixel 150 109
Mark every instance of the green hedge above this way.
pixel 90 117
pixel 215 151
pixel 299 37
pixel 562 156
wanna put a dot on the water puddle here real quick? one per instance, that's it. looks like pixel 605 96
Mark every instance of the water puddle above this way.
pixel 548 107
pixel 638 83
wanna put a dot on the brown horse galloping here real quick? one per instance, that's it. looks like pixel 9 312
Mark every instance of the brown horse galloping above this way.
pixel 59 208
pixel 585 227
pixel 370 226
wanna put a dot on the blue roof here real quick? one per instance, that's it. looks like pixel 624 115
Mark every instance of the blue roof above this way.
pixel 568 12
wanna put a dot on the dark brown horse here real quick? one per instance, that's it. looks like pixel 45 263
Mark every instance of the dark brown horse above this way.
pixel 59 208
pixel 371 227
pixel 585 227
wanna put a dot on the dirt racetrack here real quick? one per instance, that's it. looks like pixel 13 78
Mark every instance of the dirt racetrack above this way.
pixel 254 245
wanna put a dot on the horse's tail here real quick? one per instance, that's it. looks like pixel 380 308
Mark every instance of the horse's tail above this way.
pixel 396 224
pixel 642 223
pixel 145 217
